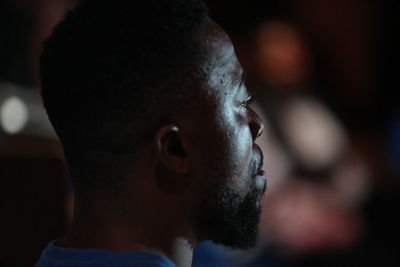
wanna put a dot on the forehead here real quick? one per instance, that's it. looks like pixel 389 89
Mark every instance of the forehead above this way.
pixel 220 65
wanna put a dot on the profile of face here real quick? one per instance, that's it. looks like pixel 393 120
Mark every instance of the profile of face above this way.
pixel 226 162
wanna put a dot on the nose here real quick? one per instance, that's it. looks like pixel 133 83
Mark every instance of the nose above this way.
pixel 256 124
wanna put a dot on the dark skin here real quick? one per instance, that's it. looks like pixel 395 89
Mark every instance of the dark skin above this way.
pixel 159 204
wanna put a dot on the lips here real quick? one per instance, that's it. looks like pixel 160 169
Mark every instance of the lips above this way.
pixel 260 180
pixel 259 161
pixel 260 177
pixel 260 172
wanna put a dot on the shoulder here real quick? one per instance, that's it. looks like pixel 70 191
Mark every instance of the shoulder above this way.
pixel 55 256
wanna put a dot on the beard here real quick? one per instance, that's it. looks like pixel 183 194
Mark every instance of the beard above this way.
pixel 229 219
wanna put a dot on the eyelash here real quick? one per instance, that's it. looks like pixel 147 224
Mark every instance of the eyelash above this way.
pixel 247 103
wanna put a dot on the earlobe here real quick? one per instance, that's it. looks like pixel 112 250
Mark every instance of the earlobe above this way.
pixel 171 148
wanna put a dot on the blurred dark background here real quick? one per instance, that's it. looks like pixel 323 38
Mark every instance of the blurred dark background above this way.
pixel 324 74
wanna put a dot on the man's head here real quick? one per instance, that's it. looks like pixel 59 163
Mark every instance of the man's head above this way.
pixel 157 83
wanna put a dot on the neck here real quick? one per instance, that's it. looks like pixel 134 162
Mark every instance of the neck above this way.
pixel 182 253
pixel 106 230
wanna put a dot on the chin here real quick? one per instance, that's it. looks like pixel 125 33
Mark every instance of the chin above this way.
pixel 230 220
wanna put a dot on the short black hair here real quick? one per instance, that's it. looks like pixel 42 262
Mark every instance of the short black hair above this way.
pixel 111 73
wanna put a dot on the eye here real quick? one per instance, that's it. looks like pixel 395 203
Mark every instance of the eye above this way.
pixel 246 104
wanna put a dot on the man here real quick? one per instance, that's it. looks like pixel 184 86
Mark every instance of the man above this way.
pixel 150 105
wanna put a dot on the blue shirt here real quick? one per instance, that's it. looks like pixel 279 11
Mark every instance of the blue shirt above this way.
pixel 56 256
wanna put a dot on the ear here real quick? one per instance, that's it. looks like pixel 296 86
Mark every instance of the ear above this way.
pixel 171 148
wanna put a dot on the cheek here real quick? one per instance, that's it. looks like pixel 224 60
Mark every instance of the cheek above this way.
pixel 239 138
pixel 239 149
